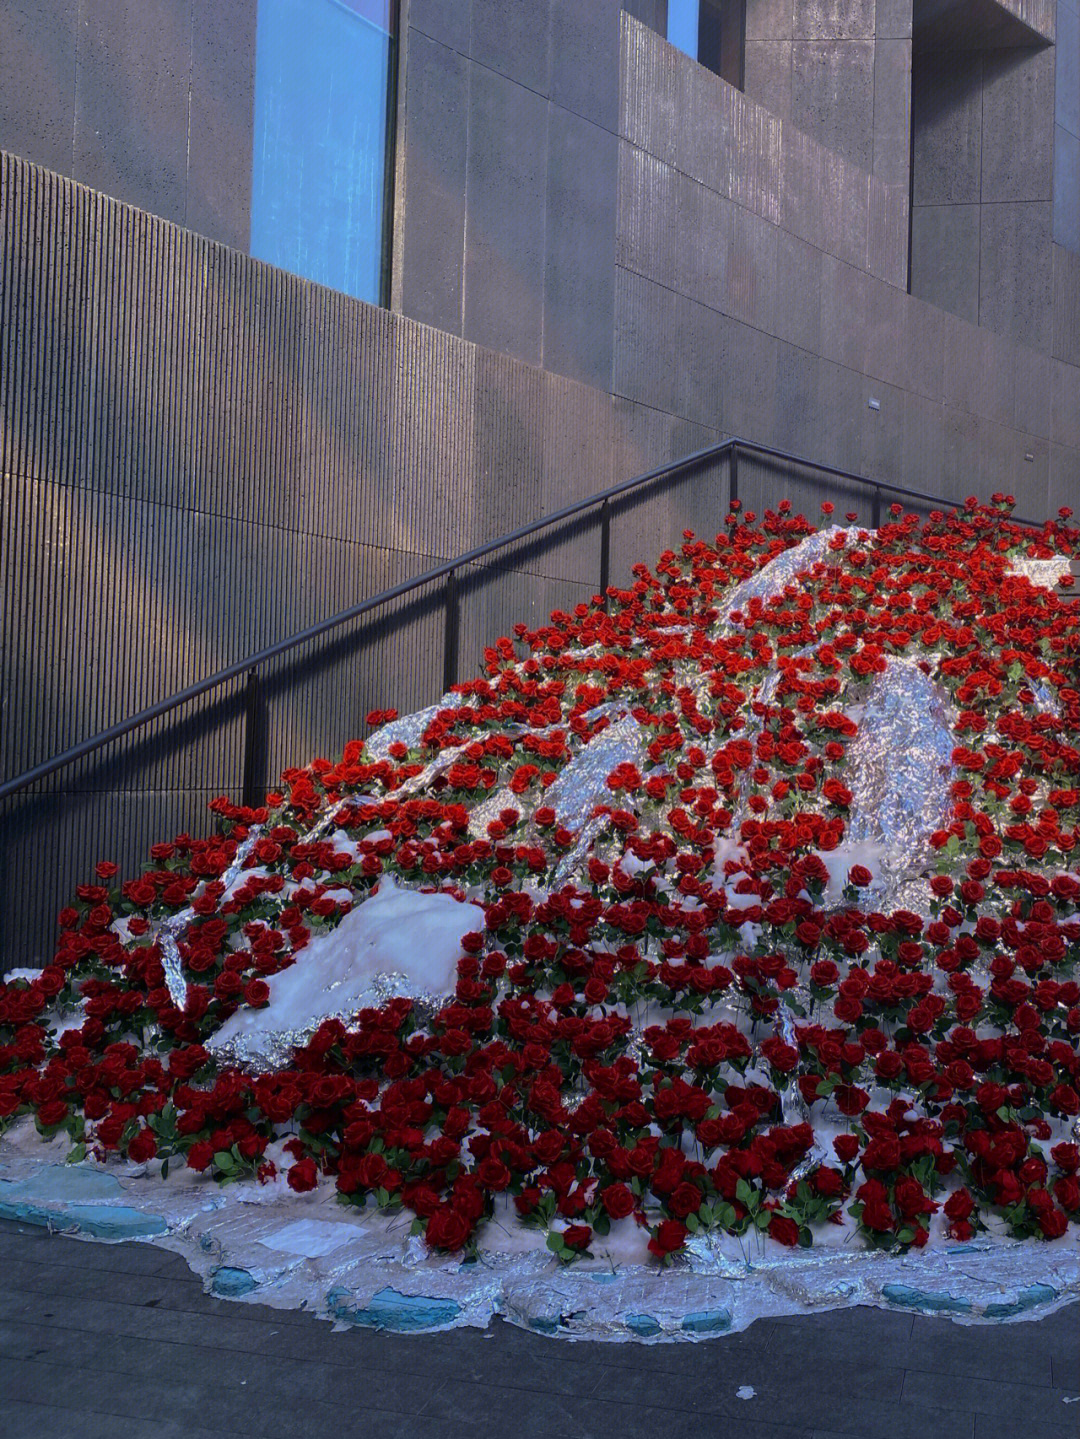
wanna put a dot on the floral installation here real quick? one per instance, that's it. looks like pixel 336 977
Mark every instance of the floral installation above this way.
pixel 686 1005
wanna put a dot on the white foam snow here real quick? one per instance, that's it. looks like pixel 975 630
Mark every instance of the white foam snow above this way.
pixel 412 936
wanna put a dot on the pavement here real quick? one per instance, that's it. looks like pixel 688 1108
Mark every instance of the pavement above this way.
pixel 106 1340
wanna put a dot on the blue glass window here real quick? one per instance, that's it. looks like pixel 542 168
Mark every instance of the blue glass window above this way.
pixel 324 93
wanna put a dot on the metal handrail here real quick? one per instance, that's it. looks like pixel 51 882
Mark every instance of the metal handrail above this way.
pixel 448 571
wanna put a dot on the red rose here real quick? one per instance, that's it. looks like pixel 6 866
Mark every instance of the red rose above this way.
pixel 829 1182
pixel 784 1230
pixel 142 1147
pixel 670 1236
pixel 303 1175
pixel 846 1146
pixel 577 1236
pixel 447 1229
pixel 200 1155
pixel 618 1200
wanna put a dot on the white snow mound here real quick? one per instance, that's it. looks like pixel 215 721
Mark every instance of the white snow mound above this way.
pixel 412 939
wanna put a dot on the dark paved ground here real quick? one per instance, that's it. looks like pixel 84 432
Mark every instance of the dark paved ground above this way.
pixel 102 1340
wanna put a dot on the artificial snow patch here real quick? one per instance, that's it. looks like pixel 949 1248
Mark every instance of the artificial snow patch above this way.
pixel 745 1391
pixel 311 1238
pixel 411 941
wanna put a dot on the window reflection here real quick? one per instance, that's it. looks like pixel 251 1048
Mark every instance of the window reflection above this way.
pixel 324 93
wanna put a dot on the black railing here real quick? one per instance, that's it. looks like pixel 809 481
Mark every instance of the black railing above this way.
pixel 448 571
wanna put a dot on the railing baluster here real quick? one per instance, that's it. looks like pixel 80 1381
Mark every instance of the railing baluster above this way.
pixel 451 630
pixel 605 550
pixel 734 476
pixel 252 717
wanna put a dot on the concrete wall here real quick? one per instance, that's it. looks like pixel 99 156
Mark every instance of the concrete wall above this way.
pixel 199 455
pixel 148 100
pixel 733 311
pixel 506 208
pixel 839 70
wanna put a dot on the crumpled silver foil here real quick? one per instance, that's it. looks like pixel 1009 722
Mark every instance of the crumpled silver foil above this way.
pixel 771 579
pixel 266 1245
pixel 572 860
pixel 1043 573
pixel 489 809
pixel 901 768
pixel 169 931
pixel 583 782
pixel 408 729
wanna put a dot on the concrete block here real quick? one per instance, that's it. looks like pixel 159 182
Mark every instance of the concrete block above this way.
pixel 513 37
pixel 1032 391
pixel 1064 486
pixel 925 364
pixel 698 362
pixel 448 21
pixel 768 75
pixel 1065 405
pixel 797 316
pixel 1067 189
pixel 833 19
pixel 922 443
pixel 132 74
pixel 881 431
pixel 799 416
pixel 1018 131
pixel 748 382
pixel 585 59
pixel 802 207
pixel 645 318
pixel 1067 80
pixel 769 19
pixel 579 275
pixel 1066 305
pixel 853 214
pixel 887 238
pixel 945 244
pixel 892 19
pixel 892 111
pixel 961 470
pixel 37 81
pixel 650 12
pixel 704 223
pixel 507 444
pixel 648 109
pixel 757 159
pixel 220 122
pixel 946 117
pixel 433 218
pixel 888 322
pixel 750 291
pixel 1016 273
pixel 505 198
pixel 832 96
pixel 979 372
pixel 844 313
pixel 647 214
pixel 842 400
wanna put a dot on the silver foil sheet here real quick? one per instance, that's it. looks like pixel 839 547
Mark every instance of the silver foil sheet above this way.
pixel 901 768
pixel 407 729
pixel 583 782
pixel 359 1268
pixel 1043 573
pixel 771 579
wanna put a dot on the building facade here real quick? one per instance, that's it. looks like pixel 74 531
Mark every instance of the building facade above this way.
pixel 298 296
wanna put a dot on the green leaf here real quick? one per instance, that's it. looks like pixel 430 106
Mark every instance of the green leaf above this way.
pixel 165 1169
pixel 761 1219
pixel 224 1160
pixel 806 1239
pixel 906 1235
pixel 743 1192
pixel 692 1223
pixel 555 1242
pixel 76 1153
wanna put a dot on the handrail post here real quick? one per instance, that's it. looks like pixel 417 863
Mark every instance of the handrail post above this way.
pixel 875 511
pixel 450 631
pixel 605 550
pixel 733 486
pixel 252 707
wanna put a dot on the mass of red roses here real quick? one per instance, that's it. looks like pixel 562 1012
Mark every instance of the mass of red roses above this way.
pixel 943 1045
